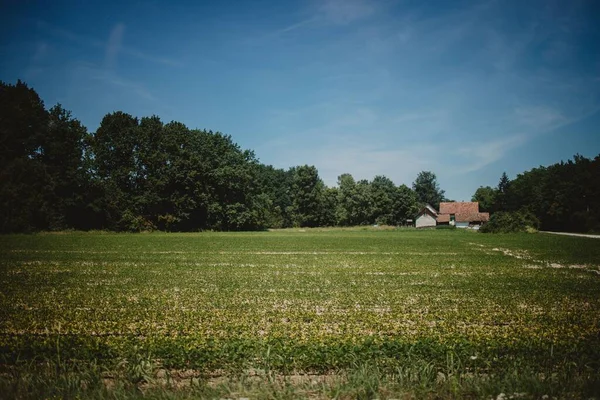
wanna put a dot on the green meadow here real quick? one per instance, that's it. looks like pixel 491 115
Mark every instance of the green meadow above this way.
pixel 338 313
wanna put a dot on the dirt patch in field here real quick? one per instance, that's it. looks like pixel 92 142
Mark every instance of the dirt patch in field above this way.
pixel 542 265
pixel 181 379
pixel 535 264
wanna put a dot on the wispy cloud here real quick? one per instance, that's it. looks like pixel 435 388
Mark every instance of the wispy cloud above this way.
pixel 331 12
pixel 540 117
pixel 110 79
pixel 115 37
pixel 40 53
pixel 113 46
pixel 480 154
pixel 108 72
pixel 362 158
pixel 544 119
pixel 297 25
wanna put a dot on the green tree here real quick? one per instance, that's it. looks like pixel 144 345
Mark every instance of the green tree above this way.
pixel 114 147
pixel 354 202
pixel 329 206
pixel 23 122
pixel 66 177
pixel 486 197
pixel 406 204
pixel 307 192
pixel 363 202
pixel 384 199
pixel 563 196
pixel 23 183
pixel 231 182
pixel 427 189
pixel 502 202
pixel 182 173
pixel 276 184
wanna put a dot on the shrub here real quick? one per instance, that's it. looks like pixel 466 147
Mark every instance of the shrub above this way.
pixel 506 222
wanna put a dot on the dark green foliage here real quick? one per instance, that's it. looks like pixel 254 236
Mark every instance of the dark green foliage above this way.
pixel 23 122
pixel 428 190
pixel 511 221
pixel 307 192
pixel 502 197
pixel 376 202
pixel 115 147
pixel 354 202
pixel 406 204
pixel 131 174
pixel 329 206
pixel 274 187
pixel 562 196
pixel 41 163
pixel 137 174
pixel 383 197
pixel 486 197
pixel 62 156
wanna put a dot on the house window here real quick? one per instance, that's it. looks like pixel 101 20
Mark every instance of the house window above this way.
pixel 452 219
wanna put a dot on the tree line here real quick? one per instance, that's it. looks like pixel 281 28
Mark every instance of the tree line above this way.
pixel 561 197
pixel 136 174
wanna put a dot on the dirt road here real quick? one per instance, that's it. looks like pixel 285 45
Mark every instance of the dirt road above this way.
pixel 573 234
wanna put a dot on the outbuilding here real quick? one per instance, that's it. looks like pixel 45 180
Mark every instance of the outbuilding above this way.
pixel 426 217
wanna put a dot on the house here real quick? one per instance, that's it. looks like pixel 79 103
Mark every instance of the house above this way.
pixel 461 214
pixel 426 217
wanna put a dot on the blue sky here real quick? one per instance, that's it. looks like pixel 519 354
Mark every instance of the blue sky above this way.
pixel 464 89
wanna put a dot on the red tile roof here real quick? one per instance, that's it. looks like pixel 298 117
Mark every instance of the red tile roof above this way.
pixel 459 208
pixel 475 217
pixel 443 218
pixel 463 212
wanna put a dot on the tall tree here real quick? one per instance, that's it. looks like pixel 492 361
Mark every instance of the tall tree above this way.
pixel 328 207
pixel 502 202
pixel 66 183
pixel 486 197
pixel 23 125
pixel 307 191
pixel 150 155
pixel 355 202
pixel 563 196
pixel 427 189
pixel 383 196
pixel 115 146
pixel 23 122
pixel 406 204
pixel 276 184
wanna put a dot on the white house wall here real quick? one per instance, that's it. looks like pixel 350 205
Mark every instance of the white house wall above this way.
pixel 425 220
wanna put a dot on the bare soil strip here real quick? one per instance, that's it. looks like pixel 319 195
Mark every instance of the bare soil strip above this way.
pixel 573 234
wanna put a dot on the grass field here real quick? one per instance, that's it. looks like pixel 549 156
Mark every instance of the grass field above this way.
pixel 293 314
